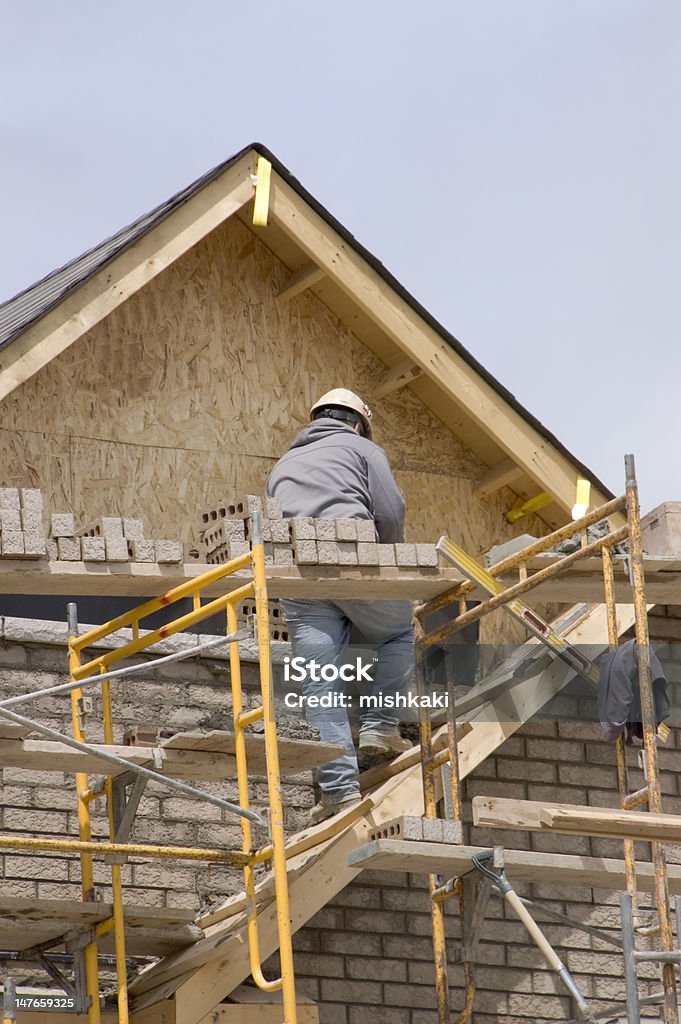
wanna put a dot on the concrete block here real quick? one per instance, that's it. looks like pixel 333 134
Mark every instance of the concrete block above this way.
pixel 51 549
pixel 133 529
pixel 12 544
pixel 426 555
pixel 68 549
pixel 209 515
pixel 110 527
pixel 141 550
pixel 237 548
pixel 9 498
pixel 305 552
pixel 302 528
pixel 93 549
pixel 63 524
pixel 366 530
pixel 325 529
pixel 367 553
pixel 254 503
pixel 386 554
pixel 168 551
pixel 31 521
pixel 266 529
pixel 223 532
pixel 280 531
pixel 327 552
pixel 10 520
pixel 405 555
pixel 282 554
pixel 116 549
pixel 272 508
pixel 347 552
pixel 346 529
pixel 233 508
pixel 34 544
pixel 193 553
pixel 32 499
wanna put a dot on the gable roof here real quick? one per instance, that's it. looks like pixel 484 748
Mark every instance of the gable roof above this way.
pixel 24 311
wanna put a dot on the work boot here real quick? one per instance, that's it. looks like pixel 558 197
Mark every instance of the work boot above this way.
pixel 327 808
pixel 389 744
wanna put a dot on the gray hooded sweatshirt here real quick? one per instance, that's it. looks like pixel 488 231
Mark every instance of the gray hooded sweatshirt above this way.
pixel 330 472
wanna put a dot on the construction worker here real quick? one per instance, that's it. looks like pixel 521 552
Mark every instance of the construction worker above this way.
pixel 334 470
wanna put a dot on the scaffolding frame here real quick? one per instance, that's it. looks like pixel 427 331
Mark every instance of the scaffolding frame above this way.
pixel 121 810
pixel 446 759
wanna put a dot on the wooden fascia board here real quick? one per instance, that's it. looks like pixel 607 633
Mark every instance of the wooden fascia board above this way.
pixel 424 346
pixel 126 274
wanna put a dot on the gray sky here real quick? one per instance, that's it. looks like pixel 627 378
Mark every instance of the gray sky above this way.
pixel 515 163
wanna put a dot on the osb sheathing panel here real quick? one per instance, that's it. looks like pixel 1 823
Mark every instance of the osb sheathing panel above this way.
pixel 198 383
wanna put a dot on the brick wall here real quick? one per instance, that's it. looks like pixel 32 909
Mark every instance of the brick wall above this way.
pixel 367 956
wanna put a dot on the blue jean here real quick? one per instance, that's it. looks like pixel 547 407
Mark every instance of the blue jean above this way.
pixel 321 631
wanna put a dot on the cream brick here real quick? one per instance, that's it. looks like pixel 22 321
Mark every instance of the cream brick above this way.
pixel 386 554
pixel 133 529
pixel 10 520
pixel 93 549
pixel 9 498
pixel 280 531
pixel 327 552
pixel 426 555
pixel 347 552
pixel 272 508
pixel 346 529
pixel 142 550
pixel 31 521
pixel 366 530
pixel 282 554
pixel 34 544
pixel 68 549
pixel 405 555
pixel 32 499
pixel 63 524
pixel 12 544
pixel 325 529
pixel 116 549
pixel 367 553
pixel 302 528
pixel 305 552
pixel 168 551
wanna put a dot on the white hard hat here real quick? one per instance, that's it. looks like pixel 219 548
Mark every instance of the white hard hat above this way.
pixel 341 398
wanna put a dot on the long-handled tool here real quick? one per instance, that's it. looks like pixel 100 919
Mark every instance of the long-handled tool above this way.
pixel 501 882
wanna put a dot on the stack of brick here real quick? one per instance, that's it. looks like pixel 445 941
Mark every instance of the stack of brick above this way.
pixel 353 542
pixel 226 529
pixel 121 539
pixel 22 532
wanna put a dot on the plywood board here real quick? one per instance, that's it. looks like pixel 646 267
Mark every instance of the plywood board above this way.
pixel 539 816
pixel 142 579
pixel 294 755
pixel 521 865
pixel 155 931
pixel 179 762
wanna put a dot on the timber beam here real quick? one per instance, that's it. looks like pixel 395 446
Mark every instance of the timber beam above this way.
pixel 404 373
pixel 505 473
pixel 304 278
